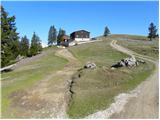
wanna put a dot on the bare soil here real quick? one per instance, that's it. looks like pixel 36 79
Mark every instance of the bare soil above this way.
pixel 48 97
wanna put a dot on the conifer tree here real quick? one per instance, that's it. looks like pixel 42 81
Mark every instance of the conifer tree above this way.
pixel 36 46
pixel 106 31
pixel 60 34
pixel 9 39
pixel 152 31
pixel 52 35
pixel 24 46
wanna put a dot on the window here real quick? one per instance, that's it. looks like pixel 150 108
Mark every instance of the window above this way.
pixel 77 36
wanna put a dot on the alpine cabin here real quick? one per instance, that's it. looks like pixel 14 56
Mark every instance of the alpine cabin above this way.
pixel 80 36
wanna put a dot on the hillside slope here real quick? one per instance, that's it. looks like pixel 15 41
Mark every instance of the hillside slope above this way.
pixel 141 102
pixel 38 87
pixel 95 89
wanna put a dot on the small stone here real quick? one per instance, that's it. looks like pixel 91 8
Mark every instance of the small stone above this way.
pixel 90 65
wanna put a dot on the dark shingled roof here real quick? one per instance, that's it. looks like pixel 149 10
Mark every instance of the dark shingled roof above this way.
pixel 79 31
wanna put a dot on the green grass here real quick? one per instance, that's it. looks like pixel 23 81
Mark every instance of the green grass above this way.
pixel 95 89
pixel 149 48
pixel 27 75
pixel 99 52
pixel 126 36
pixel 137 43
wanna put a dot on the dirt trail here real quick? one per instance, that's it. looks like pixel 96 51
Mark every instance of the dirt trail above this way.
pixel 142 102
pixel 44 99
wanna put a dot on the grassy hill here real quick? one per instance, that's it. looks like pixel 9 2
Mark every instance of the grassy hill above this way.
pixel 95 89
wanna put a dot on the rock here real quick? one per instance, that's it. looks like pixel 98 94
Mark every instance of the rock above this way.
pixel 128 62
pixel 122 63
pixel 117 65
pixel 90 65
pixel 137 63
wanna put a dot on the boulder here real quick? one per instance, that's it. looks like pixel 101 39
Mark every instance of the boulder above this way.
pixel 90 65
pixel 122 63
pixel 128 62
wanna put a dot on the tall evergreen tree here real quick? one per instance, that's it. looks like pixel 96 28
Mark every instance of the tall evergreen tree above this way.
pixel 9 38
pixel 106 31
pixel 152 31
pixel 24 46
pixel 60 34
pixel 52 35
pixel 36 46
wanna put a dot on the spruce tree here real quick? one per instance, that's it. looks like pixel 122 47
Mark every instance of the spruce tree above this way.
pixel 152 31
pixel 36 46
pixel 24 46
pixel 106 31
pixel 60 34
pixel 52 35
pixel 9 39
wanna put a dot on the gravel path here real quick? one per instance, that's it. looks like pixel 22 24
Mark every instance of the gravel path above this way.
pixel 142 102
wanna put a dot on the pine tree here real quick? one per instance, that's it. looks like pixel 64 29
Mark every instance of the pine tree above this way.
pixel 152 31
pixel 52 35
pixel 36 46
pixel 9 39
pixel 24 46
pixel 106 31
pixel 60 34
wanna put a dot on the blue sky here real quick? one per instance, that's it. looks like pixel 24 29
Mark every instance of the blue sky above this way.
pixel 121 17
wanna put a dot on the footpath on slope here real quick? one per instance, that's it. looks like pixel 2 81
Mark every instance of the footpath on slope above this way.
pixel 45 100
pixel 141 102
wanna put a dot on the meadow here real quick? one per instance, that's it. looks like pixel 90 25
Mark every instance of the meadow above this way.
pixel 95 89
